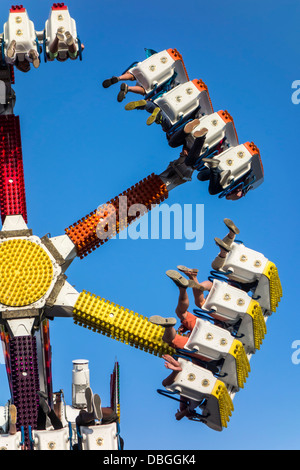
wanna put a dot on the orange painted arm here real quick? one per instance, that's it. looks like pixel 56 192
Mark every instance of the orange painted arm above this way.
pixel 85 233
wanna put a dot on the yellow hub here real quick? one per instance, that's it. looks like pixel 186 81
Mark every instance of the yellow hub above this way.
pixel 26 272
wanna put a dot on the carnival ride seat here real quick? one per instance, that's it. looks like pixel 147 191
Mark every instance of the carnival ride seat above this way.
pixel 245 265
pixel 199 386
pixel 51 439
pixel 221 129
pixel 59 18
pixel 182 101
pixel 21 29
pixel 239 311
pixel 11 441
pixel 160 70
pixel 213 343
pixel 99 437
pixel 242 161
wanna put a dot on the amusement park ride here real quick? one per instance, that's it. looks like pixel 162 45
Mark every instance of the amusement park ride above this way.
pixel 231 324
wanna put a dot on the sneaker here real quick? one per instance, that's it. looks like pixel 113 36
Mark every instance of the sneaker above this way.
pixel 151 119
pixel 43 402
pixel 222 245
pixel 212 162
pixel 229 224
pixel 97 407
pixel 123 92
pixel 12 419
pixel 69 39
pixel 161 321
pixel 201 133
pixel 11 50
pixel 12 414
pixel 110 81
pixel 190 126
pixel 179 280
pixel 135 104
pixel 60 34
pixel 186 270
pixel 35 58
pixel 89 400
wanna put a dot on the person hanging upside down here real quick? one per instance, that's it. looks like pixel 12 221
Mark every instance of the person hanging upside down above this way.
pixel 175 338
pixel 225 244
pixel 217 264
pixel 177 138
pixel 217 179
pixel 56 51
pixel 186 407
pixel 124 88
pixel 30 57
pixel 211 173
pixel 187 319
pixel 156 115
pixel 44 410
pixel 95 414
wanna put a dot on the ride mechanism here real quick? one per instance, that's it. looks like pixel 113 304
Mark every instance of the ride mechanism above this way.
pixel 34 286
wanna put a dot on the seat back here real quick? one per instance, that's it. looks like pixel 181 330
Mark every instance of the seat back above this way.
pixel 59 17
pixel 10 442
pixel 99 437
pixel 220 126
pixel 160 67
pixel 215 343
pixel 241 160
pixel 182 100
pixel 210 341
pixel 198 384
pixel 245 265
pixel 234 306
pixel 51 439
pixel 228 302
pixel 20 29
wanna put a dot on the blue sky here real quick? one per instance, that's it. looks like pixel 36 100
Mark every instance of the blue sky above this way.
pixel 81 148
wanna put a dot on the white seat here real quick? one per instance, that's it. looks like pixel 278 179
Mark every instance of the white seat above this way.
pixel 59 17
pixel 232 305
pixel 249 266
pixel 244 264
pixel 240 160
pixel 10 442
pixel 157 69
pixel 51 439
pixel 20 29
pixel 220 126
pixel 99 437
pixel 184 99
pixel 215 343
pixel 197 383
